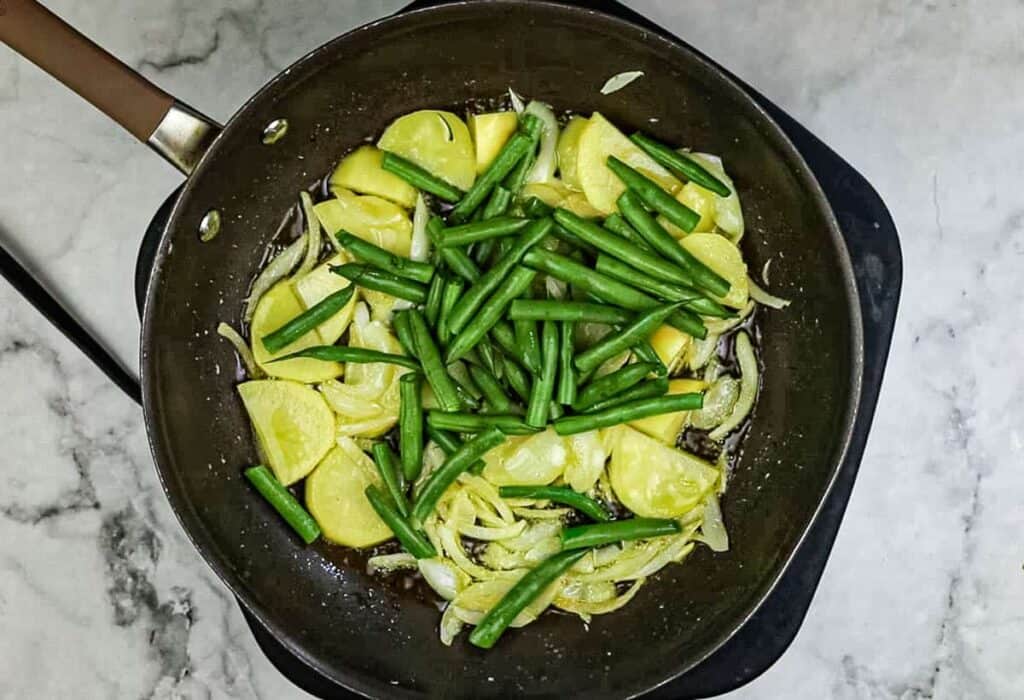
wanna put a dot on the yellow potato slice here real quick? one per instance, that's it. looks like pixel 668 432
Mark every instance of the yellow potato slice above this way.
pixel 698 199
pixel 568 151
pixel 335 496
pixel 657 481
pixel 671 345
pixel 556 194
pixel 373 219
pixel 668 426
pixel 601 139
pixel 361 172
pixel 293 423
pixel 434 140
pixel 275 308
pixel 490 132
pixel 537 459
pixel 719 253
pixel 320 283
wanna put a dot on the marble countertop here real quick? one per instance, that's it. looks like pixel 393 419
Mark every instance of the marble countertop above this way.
pixel 101 595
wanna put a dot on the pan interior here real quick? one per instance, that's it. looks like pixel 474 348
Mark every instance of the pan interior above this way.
pixel 352 627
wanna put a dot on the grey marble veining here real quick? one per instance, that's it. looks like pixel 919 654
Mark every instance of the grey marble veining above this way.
pixel 101 595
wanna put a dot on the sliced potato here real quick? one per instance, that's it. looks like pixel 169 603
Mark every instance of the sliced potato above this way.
pixel 373 219
pixel 699 200
pixel 335 497
pixel 601 139
pixel 719 253
pixel 361 171
pixel 587 456
pixel 667 426
pixel 671 345
pixel 657 481
pixel 434 140
pixel 555 193
pixel 568 151
pixel 293 423
pixel 536 459
pixel 320 283
pixel 275 308
pixel 490 132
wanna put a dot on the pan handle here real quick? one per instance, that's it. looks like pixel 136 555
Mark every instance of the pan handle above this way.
pixel 177 132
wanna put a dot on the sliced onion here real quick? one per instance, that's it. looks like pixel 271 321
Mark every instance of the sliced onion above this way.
pixel 712 530
pixel 620 80
pixel 586 609
pixel 313 238
pixel 386 563
pixel 451 625
pixel 443 576
pixel 749 380
pixel 761 296
pixel 276 270
pixel 542 513
pixel 517 101
pixel 544 167
pixel 419 247
pixel 478 532
pixel 242 348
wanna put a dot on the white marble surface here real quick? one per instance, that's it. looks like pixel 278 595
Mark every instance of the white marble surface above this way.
pixel 102 596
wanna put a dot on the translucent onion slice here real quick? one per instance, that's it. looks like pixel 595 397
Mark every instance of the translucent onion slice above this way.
pixel 712 530
pixel 276 270
pixel 544 167
pixel 242 348
pixel 749 380
pixel 387 563
pixel 762 296
pixel 313 237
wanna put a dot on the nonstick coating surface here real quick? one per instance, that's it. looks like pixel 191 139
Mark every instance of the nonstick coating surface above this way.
pixel 355 629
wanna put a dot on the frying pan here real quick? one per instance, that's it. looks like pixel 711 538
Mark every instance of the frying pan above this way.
pixel 318 601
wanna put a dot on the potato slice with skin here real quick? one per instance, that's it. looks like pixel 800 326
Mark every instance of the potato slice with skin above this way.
pixel 667 426
pixel 568 151
pixel 335 497
pixel 490 132
pixel 657 481
pixel 537 459
pixel 555 193
pixel 293 423
pixel 671 345
pixel 320 283
pixel 275 308
pixel 361 171
pixel 435 140
pixel 722 256
pixel 373 219
pixel 601 139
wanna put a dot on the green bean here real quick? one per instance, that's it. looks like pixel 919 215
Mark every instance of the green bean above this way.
pixel 307 320
pixel 396 286
pixel 514 150
pixel 566 391
pixel 385 260
pixel 444 388
pixel 613 384
pixel 566 311
pixel 616 246
pixel 555 410
pixel 400 322
pixel 692 299
pixel 626 412
pixel 618 342
pixel 536 209
pixel 452 291
pixel 410 425
pixel 494 395
pixel 441 478
pixel 543 388
pixel 680 164
pixel 490 280
pixel 420 178
pixel 528 343
pixel 450 443
pixel 517 379
pixel 528 588
pixel 509 423
pixel 490 312
pixel 482 251
pixel 616 224
pixel 348 353
pixel 412 540
pixel 654 196
pixel 504 336
pixel 283 502
pixel 647 389
pixel 644 352
pixel 384 457
pixel 498 204
pixel 601 534
pixel 559 494
pixel 663 242
pixel 532 127
pixel 488 356
pixel 455 258
pixel 481 231
pixel 432 307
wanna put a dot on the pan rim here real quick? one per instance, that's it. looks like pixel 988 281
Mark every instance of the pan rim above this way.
pixel 366 684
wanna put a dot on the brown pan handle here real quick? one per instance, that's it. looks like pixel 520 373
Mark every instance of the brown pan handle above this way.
pixel 174 130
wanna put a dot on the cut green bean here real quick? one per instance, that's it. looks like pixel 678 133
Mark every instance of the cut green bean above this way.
pixel 348 353
pixel 411 539
pixel 527 589
pixel 567 311
pixel 432 307
pixel 477 231
pixel 626 412
pixel 543 388
pixel 505 338
pixel 400 322
pixel 616 224
pixel 452 292
pixel 693 299
pixel 491 311
pixel 532 127
pixel 613 384
pixel 433 368
pixel 420 178
pixel 410 425
pixel 450 443
pixel 663 242
pixel 365 276
pixel 601 534
pixel 307 320
pixel 559 494
pixel 565 393
pixel 680 164
pixel 385 260
pixel 644 352
pixel 496 398
pixel 536 209
pixel 283 502
pixel 647 389
pixel 528 344
pixel 618 342
pixel 654 196
pixel 514 150
pixel 455 258
pixel 509 423
pixel 482 251
pixel 497 204
pixel 517 379
pixel 441 478
pixel 384 457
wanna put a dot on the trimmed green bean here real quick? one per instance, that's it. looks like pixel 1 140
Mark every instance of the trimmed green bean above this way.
pixel 386 260
pixel 528 343
pixel 514 150
pixel 441 478
pixel 419 177
pixel 541 392
pixel 400 322
pixel 616 224
pixel 496 398
pixel 347 353
pixel 481 231
pixel 505 337
pixel 385 460
pixel 532 127
pixel 455 258
pixel 693 299
pixel 559 494
pixel 450 443
pixel 570 237
pixel 536 209
pixel 440 381
pixel 497 204
pixel 680 164
pixel 307 320
pixel 644 352
pixel 647 389
pixel 283 502
pixel 566 311
pixel 481 252
pixel 601 534
pixel 613 384
pixel 411 539
pixel 626 412
pixel 491 311
pixel 528 588
pixel 565 393
pixel 618 342
pixel 517 379
pixel 366 276
pixel 410 425
pixel 509 423
pixel 452 292
pixel 654 196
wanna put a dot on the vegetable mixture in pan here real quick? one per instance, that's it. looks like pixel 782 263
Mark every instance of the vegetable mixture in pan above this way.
pixel 488 368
